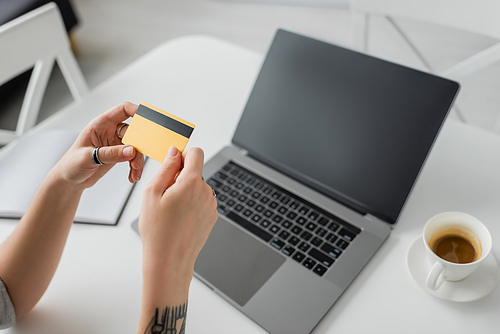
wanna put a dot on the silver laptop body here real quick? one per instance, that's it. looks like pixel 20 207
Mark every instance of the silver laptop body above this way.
pixel 285 142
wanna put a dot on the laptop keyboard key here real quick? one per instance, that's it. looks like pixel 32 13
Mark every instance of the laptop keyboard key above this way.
pixel 256 218
pixel 348 235
pixel 298 256
pixel 275 229
pixel 321 232
pixel 334 226
pixel 277 243
pixel 288 250
pixel 306 235
pixel 303 210
pixel 311 226
pixel 309 263
pixel 316 241
pixel 323 221
pixel 287 224
pixel 331 238
pixel 284 235
pixel 320 270
pixel 294 241
pixel 322 258
pixel 277 218
pixel 221 175
pixel 304 246
pixel 282 210
pixel 222 209
pixel 296 230
pixel 313 215
pixel 214 183
pixel 301 220
pixel 342 244
pixel 330 250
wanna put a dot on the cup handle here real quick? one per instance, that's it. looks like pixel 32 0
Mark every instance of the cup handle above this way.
pixel 433 282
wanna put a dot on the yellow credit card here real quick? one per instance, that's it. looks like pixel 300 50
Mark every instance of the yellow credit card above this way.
pixel 153 131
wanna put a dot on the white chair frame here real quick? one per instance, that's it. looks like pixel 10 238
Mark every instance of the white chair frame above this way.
pixel 36 40
pixel 478 16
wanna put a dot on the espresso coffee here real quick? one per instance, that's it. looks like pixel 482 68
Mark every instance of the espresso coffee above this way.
pixel 455 247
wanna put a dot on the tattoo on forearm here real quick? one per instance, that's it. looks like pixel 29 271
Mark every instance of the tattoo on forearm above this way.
pixel 167 321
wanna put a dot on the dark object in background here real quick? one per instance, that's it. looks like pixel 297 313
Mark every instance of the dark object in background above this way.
pixel 9 10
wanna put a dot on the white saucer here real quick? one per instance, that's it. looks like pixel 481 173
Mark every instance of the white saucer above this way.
pixel 474 287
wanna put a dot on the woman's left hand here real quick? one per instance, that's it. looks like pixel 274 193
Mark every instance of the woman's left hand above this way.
pixel 77 166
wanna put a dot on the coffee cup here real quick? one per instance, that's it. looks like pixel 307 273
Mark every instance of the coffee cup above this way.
pixel 456 244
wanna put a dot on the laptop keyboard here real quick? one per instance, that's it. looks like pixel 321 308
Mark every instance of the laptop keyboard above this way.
pixel 289 224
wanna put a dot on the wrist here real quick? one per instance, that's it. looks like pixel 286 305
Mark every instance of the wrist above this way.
pixel 169 266
pixel 57 180
pixel 165 281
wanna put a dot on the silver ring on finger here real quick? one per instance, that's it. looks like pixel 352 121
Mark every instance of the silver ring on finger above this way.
pixel 214 193
pixel 95 156
pixel 119 129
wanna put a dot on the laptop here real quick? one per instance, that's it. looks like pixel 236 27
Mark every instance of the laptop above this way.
pixel 323 159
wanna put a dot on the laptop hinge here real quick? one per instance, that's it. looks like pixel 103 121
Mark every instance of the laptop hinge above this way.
pixel 243 152
pixel 373 218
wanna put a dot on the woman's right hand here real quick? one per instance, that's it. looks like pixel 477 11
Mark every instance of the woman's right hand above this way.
pixel 178 212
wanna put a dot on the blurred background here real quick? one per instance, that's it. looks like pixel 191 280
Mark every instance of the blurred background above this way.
pixel 110 34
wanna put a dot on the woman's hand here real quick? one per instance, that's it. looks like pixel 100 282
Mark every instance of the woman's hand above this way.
pixel 178 211
pixel 77 167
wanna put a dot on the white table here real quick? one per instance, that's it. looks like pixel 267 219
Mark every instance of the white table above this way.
pixel 97 287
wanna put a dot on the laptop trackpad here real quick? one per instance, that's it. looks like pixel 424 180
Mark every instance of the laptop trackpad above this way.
pixel 236 263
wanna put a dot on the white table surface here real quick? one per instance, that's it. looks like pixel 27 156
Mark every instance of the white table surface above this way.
pixel 97 287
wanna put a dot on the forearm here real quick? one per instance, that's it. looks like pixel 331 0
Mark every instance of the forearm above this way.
pixel 29 257
pixel 165 296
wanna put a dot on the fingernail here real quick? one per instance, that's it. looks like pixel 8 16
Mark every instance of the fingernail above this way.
pixel 128 151
pixel 172 151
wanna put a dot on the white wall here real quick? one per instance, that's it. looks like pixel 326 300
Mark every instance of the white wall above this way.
pixel 327 3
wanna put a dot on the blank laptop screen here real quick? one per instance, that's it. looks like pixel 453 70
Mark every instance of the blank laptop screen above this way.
pixel 351 126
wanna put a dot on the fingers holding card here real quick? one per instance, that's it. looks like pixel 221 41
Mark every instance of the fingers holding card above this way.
pixel 153 131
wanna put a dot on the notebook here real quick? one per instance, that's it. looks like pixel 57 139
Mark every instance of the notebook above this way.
pixel 328 147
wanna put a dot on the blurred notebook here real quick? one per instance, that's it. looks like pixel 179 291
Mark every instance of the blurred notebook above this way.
pixel 25 163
